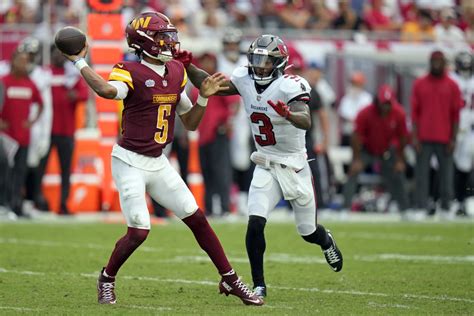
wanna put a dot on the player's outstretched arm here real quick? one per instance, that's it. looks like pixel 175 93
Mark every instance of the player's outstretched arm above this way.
pixel 96 82
pixel 210 86
pixel 197 76
pixel 296 112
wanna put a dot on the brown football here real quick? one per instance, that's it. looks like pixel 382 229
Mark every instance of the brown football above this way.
pixel 70 40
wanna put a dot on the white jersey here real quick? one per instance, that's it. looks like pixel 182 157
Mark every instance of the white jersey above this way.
pixel 464 150
pixel 273 134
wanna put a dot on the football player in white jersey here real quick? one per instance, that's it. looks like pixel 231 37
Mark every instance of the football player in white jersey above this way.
pixel 276 104
pixel 463 154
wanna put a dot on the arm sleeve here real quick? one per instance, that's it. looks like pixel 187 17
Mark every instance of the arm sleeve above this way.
pixel 458 103
pixel 402 126
pixel 37 96
pixel 122 89
pixel 184 104
pixel 120 73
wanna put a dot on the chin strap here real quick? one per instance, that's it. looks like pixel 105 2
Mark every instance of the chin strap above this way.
pixel 161 57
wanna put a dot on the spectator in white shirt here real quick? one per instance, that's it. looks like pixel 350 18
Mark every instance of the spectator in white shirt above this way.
pixel 446 31
pixel 355 99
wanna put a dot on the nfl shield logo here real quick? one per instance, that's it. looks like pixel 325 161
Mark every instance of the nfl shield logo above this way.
pixel 165 83
pixel 259 97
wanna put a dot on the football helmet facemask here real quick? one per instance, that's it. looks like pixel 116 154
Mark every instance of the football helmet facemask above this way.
pixel 267 57
pixel 31 46
pixel 464 62
pixel 152 34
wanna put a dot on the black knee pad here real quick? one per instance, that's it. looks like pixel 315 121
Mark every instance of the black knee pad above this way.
pixel 256 224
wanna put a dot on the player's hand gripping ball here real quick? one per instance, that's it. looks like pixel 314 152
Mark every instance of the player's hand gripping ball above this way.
pixel 70 40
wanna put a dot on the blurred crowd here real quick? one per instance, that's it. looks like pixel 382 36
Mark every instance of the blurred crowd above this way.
pixel 409 20
pixel 415 156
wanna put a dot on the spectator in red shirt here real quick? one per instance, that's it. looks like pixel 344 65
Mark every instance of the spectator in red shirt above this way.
pixel 214 142
pixel 20 95
pixel 66 90
pixel 376 20
pixel 380 135
pixel 435 104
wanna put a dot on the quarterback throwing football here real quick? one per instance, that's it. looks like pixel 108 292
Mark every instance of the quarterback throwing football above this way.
pixel 153 93
pixel 276 104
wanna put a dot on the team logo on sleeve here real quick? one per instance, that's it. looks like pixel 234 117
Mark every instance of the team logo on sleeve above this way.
pixel 150 83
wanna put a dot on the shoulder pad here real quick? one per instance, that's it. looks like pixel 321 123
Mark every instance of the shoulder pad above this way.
pixel 121 73
pixel 240 72
pixel 294 85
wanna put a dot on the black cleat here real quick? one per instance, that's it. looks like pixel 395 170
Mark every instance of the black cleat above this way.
pixel 333 255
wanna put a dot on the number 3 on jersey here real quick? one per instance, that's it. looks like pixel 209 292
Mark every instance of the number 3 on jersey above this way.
pixel 265 127
pixel 164 111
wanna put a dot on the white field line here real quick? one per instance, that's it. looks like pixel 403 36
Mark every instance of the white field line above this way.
pixel 283 288
pixel 284 258
pixel 396 237
pixel 20 309
pixel 378 305
pixel 47 243
pixel 290 259
pixel 160 309
pixel 416 258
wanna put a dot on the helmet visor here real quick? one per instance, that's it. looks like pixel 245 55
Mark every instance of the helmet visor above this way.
pixel 262 61
pixel 167 41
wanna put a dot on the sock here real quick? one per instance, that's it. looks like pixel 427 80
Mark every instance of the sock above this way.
pixel 255 243
pixel 319 237
pixel 124 248
pixel 209 242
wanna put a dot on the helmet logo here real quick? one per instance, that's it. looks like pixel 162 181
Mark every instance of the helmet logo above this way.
pixel 141 22
pixel 283 50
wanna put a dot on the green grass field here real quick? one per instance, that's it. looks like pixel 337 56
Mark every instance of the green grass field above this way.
pixel 389 269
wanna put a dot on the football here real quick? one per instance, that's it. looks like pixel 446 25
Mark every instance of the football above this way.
pixel 70 40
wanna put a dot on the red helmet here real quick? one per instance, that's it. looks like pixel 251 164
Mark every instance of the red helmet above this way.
pixel 152 34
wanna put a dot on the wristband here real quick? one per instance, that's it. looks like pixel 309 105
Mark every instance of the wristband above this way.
pixel 201 101
pixel 80 63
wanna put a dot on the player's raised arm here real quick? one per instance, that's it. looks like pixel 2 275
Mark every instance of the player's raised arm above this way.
pixel 197 75
pixel 93 79
pixel 211 85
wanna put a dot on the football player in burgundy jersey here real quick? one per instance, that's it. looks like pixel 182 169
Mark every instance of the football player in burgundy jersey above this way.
pixel 153 93
pixel 276 104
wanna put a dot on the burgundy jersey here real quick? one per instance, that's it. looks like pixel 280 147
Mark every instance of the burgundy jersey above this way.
pixel 20 94
pixel 150 106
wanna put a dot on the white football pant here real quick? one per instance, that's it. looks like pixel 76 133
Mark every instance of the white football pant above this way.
pixel 265 192
pixel 165 186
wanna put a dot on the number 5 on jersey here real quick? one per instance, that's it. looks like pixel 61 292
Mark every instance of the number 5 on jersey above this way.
pixel 164 111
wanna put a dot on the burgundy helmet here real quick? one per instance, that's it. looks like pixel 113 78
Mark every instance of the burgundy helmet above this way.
pixel 152 34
